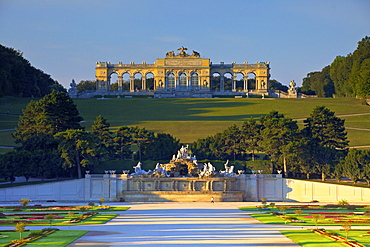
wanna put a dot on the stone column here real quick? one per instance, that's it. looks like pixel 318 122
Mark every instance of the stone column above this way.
pixel 87 187
pixel 211 186
pixel 233 83
pixel 120 83
pixel 225 185
pixel 132 83
pixel 143 83
pixel 245 78
pixel 222 83
pixel 113 187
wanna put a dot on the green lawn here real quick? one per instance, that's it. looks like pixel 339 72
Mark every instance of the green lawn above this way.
pixel 310 239
pixel 56 239
pixel 268 218
pixel 190 119
pixel 95 219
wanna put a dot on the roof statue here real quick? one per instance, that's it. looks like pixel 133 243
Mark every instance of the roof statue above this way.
pixel 182 53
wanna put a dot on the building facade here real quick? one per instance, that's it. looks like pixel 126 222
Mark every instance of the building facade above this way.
pixel 183 74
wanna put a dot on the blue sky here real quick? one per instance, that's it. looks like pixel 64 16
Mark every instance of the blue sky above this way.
pixel 66 38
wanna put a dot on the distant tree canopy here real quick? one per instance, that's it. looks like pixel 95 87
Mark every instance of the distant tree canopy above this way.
pixel 19 78
pixel 344 77
pixel 86 85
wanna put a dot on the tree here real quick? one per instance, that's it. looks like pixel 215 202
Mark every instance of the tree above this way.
pixel 86 85
pixel 327 136
pixel 50 218
pixel 161 147
pixel 319 82
pixel 276 85
pixel 20 227
pixel 356 165
pixel 276 133
pixel 54 113
pixel 19 78
pixel 100 128
pixel 232 137
pixel 122 142
pixel 140 137
pixel 78 148
pixel 251 136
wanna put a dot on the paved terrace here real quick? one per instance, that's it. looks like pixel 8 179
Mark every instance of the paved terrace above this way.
pixel 184 224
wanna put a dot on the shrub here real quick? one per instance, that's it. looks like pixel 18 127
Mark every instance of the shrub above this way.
pixel 24 201
pixel 298 212
pixel 343 202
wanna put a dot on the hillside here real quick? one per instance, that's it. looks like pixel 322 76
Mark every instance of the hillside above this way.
pixel 19 78
pixel 190 119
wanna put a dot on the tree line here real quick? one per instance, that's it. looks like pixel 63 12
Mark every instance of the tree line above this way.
pixel 321 147
pixel 19 78
pixel 53 142
pixel 346 76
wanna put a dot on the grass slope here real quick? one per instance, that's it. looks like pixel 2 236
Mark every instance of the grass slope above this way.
pixel 190 119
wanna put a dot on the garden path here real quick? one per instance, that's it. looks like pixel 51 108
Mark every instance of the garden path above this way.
pixel 184 224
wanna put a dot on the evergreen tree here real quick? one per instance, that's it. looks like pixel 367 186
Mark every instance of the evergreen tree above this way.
pixel 277 132
pixel 161 147
pixel 101 129
pixel 251 136
pixel 328 139
pixel 19 78
pixel 122 143
pixel 53 113
pixel 78 148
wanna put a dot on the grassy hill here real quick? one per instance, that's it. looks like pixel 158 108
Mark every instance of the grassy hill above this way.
pixel 190 119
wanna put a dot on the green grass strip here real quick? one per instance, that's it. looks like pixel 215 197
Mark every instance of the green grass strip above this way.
pixel 59 238
pixel 307 238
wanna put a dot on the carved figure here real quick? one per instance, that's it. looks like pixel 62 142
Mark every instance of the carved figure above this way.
pixel 292 84
pixel 170 54
pixel 139 171
pixel 195 54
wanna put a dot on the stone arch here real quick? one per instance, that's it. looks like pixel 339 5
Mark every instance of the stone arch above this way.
pixel 183 80
pixel 194 80
pixel 138 81
pixel 170 81
pixel 149 81
pixel 228 80
pixel 251 80
pixel 239 81
pixel 216 81
pixel 126 81
pixel 113 81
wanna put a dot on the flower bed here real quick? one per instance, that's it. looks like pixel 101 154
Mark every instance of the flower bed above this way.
pixel 337 238
pixel 24 241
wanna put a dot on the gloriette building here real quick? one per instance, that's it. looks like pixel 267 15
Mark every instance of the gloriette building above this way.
pixel 183 75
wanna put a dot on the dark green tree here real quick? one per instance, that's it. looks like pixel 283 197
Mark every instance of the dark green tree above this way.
pixel 276 85
pixel 122 143
pixel 160 147
pixel 352 165
pixel 101 129
pixel 328 139
pixel 19 78
pixel 86 85
pixel 53 113
pixel 251 130
pixel 276 133
pixel 140 136
pixel 232 141
pixel 78 148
